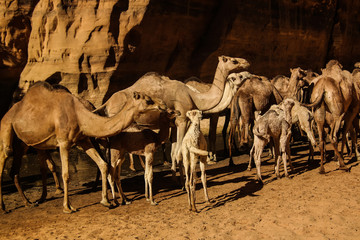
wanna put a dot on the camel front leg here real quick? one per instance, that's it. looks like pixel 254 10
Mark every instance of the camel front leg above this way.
pixel 176 148
pixel 203 178
pixel 124 200
pixel 20 150
pixel 212 136
pixel 149 157
pixel 186 165
pixel 102 165
pixel 64 155
pixel 192 179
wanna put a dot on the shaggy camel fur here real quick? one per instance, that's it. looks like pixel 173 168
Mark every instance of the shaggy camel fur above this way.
pixel 178 96
pixel 255 94
pixel 48 118
pixel 302 116
pixel 193 149
pixel 232 85
pixel 333 100
pixel 275 124
pixel 143 143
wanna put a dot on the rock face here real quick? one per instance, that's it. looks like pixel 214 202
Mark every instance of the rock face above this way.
pixel 97 47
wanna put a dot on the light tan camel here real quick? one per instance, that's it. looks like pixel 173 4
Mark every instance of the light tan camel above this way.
pixel 143 143
pixel 333 100
pixel 274 125
pixel 47 118
pixel 232 85
pixel 178 96
pixel 255 94
pixel 193 150
pixel 290 87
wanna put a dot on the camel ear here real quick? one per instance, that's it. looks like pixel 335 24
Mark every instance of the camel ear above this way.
pixel 137 95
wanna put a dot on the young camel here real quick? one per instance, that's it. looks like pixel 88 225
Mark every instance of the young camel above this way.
pixel 47 118
pixel 274 125
pixel 143 143
pixel 302 116
pixel 193 150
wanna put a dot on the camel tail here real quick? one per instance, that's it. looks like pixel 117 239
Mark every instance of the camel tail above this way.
pixel 315 103
pixel 199 151
pixel 261 135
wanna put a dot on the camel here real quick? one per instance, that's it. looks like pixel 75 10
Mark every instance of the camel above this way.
pixel 235 81
pixel 274 125
pixel 47 118
pixel 333 100
pixel 142 142
pixel 193 150
pixel 178 96
pixel 255 94
pixel 290 87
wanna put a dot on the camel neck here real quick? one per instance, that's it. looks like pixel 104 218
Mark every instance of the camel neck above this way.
pixel 293 81
pixel 207 100
pixel 93 125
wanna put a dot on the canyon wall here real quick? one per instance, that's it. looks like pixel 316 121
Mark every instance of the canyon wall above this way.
pixel 96 47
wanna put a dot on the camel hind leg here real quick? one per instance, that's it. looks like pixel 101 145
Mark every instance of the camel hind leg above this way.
pixel 148 175
pixel 203 177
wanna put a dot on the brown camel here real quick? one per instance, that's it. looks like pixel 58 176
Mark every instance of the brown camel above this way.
pixel 178 96
pixel 140 142
pixel 47 118
pixel 234 82
pixel 333 100
pixel 255 94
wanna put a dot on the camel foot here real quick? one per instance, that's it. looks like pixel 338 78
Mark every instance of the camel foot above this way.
pixel 126 202
pixel 153 203
pixel 344 168
pixel 231 163
pixel 211 162
pixel 32 204
pixel 106 203
pixel 194 210
pixel 166 164
pixel 132 168
pixel 249 168
pixel 3 211
pixel 69 210
pixel 322 171
pixel 59 191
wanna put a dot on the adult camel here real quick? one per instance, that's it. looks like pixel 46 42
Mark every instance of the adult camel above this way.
pixel 47 118
pixel 333 100
pixel 231 86
pixel 255 94
pixel 178 96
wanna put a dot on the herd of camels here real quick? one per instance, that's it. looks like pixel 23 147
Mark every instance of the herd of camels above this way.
pixel 142 117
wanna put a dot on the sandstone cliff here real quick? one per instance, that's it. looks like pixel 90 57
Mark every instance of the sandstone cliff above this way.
pixel 96 47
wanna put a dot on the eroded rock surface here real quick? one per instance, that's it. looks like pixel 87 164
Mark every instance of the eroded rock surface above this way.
pixel 97 47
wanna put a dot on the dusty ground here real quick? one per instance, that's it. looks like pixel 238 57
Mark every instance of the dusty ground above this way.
pixel 307 206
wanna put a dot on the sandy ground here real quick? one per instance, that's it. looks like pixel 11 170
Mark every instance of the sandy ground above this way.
pixel 307 206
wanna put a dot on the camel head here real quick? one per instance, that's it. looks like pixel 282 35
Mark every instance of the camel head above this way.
pixel 287 104
pixel 194 115
pixel 237 79
pixel 231 63
pixel 357 65
pixel 144 105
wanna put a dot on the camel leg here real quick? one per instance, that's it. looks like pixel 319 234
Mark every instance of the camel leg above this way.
pixel 175 148
pixel 124 200
pixel 224 130
pixel 131 158
pixel 149 157
pixel 277 157
pixel 193 180
pixel 51 165
pixel 230 140
pixel 20 150
pixel 212 136
pixel 102 165
pixel 258 149
pixel 284 139
pixel 321 148
pixel 64 155
pixel 203 177
pixel 6 137
pixel 252 151
pixel 186 164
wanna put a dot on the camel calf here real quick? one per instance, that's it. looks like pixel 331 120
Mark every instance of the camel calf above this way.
pixel 140 142
pixel 193 149
pixel 275 124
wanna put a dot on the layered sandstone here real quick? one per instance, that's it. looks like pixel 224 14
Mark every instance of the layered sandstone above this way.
pixel 96 47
